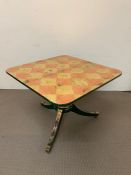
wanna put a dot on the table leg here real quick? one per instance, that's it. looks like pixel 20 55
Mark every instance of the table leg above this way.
pixel 54 130
pixel 47 105
pixel 85 113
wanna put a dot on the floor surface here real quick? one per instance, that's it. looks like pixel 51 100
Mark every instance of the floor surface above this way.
pixel 84 146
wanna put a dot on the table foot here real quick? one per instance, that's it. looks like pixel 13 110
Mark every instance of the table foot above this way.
pixel 85 113
pixel 54 130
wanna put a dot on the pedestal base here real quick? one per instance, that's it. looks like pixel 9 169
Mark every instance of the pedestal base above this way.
pixel 60 111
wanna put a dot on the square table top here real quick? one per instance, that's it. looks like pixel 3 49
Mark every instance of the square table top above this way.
pixel 63 79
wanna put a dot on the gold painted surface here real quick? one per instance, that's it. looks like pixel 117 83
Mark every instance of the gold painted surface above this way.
pixel 64 78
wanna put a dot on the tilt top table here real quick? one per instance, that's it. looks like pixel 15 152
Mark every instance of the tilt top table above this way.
pixel 62 80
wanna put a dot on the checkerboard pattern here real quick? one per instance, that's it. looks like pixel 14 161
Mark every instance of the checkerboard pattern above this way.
pixel 64 78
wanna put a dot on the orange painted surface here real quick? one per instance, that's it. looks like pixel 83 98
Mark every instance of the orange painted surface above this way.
pixel 64 78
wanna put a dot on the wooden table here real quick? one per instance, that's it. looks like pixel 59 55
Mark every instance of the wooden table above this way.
pixel 62 80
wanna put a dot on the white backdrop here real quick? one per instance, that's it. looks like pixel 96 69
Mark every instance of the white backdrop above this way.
pixel 99 30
